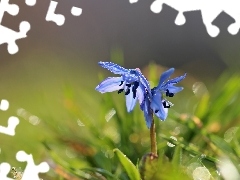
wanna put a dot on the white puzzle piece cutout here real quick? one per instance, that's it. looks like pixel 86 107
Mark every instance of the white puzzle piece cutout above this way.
pixel 59 19
pixel 12 9
pixel 4 105
pixel 12 121
pixel 4 170
pixel 209 10
pixel 30 2
pixel 76 11
pixel 10 129
pixel 31 171
pixel 133 1
pixel 8 35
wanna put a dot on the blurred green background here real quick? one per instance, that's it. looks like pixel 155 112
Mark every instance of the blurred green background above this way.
pixel 53 76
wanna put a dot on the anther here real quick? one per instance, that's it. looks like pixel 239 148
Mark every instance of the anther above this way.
pixel 165 105
pixel 169 94
pixel 120 90
pixel 134 92
pixel 121 83
pixel 156 111
pixel 128 91
pixel 134 89
pixel 128 85
pixel 136 84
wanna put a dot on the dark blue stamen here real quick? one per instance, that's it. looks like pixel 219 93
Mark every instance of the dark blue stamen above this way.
pixel 136 84
pixel 134 89
pixel 169 94
pixel 165 105
pixel 121 83
pixel 128 91
pixel 134 92
pixel 156 111
pixel 120 90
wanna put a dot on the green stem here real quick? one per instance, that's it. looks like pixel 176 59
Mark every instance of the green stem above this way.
pixel 153 138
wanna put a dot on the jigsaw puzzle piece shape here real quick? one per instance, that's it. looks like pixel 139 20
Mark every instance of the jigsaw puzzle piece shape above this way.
pixel 209 11
pixel 31 171
pixel 180 6
pixel 30 2
pixel 59 19
pixel 4 170
pixel 180 19
pixel 231 7
pixel 233 28
pixel 12 9
pixel 4 105
pixel 9 36
pixel 156 6
pixel 208 16
pixel 12 124
pixel 76 11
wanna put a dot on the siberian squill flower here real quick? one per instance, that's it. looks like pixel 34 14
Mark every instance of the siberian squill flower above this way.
pixel 155 101
pixel 131 82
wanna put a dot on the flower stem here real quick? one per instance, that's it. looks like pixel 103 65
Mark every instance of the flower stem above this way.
pixel 153 138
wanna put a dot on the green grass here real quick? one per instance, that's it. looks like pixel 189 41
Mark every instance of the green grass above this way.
pixel 78 142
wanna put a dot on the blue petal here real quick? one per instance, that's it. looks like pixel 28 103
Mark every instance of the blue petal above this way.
pixel 177 79
pixel 156 100
pixel 162 113
pixel 147 112
pixel 130 101
pixel 110 84
pixel 140 93
pixel 165 76
pixel 142 105
pixel 114 68
pixel 174 89
pixel 144 81
pixel 157 106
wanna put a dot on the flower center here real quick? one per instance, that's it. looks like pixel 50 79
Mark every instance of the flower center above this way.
pixel 134 86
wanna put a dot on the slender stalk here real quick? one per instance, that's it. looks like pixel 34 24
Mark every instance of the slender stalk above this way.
pixel 153 138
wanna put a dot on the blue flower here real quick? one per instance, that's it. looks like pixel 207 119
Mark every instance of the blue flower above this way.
pixel 155 102
pixel 131 82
